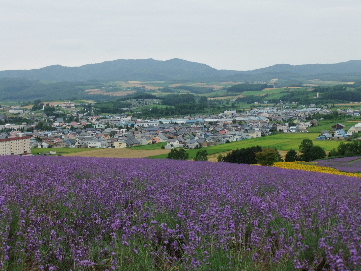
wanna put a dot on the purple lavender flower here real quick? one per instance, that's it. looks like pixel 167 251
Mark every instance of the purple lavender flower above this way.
pixel 64 212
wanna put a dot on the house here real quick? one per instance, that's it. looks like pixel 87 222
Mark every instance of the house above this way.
pixel 120 144
pixel 132 141
pixel 96 143
pixel 254 133
pixel 355 129
pixel 15 145
pixel 173 143
pixel 145 140
pixel 70 142
pixel 338 126
pixel 59 143
pixel 339 134
pixel 324 136
pixel 192 144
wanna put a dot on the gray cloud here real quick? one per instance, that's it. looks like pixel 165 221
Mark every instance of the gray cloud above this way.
pixel 239 34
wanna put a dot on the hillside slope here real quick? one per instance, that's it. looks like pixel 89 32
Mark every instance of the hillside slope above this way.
pixel 178 69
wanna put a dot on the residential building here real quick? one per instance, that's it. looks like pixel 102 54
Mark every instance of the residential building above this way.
pixel 15 145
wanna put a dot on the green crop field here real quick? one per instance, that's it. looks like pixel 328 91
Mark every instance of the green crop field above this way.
pixel 326 125
pixel 279 141
pixel 263 92
pixel 149 147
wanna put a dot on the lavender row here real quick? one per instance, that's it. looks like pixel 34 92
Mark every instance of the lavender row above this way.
pixel 346 164
pixel 340 160
pixel 60 213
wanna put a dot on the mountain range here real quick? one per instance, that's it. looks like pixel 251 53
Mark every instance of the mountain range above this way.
pixel 183 70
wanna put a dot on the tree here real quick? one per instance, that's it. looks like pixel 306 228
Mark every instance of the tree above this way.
pixel 311 152
pixel 306 145
pixel 242 156
pixel 44 126
pixel 201 156
pixel 178 154
pixel 267 157
pixel 291 156
pixel 112 134
pixel 38 105
pixel 315 153
pixel 49 110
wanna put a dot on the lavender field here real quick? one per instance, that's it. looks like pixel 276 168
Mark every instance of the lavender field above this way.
pixel 346 164
pixel 68 213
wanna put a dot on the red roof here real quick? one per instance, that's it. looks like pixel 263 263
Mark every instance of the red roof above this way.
pixel 15 138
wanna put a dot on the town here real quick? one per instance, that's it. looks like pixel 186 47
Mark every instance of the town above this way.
pixel 78 128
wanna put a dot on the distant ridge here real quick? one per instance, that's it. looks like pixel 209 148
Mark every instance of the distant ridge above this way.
pixel 178 69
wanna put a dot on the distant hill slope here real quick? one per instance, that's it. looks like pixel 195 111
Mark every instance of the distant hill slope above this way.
pixel 123 70
pixel 178 69
pixel 344 71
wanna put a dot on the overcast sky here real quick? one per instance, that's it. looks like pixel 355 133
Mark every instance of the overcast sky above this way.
pixel 225 34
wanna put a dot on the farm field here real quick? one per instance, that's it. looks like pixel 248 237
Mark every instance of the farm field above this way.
pixel 149 147
pixel 331 166
pixel 77 213
pixel 279 141
pixel 282 142
pixel 59 151
pixel 120 153
pixel 346 164
pixel 326 125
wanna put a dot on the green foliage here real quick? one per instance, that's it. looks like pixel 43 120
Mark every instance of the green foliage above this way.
pixel 352 148
pixel 192 89
pixel 38 105
pixel 174 99
pixel 157 146
pixel 242 156
pixel 315 153
pixel 201 155
pixel 247 87
pixel 340 93
pixel 178 154
pixel 16 89
pixel 311 152
pixel 306 145
pixel 251 99
pixel 49 110
pixel 291 156
pixel 44 126
pixel 173 104
pixel 19 120
pixel 267 157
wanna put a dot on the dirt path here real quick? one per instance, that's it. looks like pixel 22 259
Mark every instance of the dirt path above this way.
pixel 119 153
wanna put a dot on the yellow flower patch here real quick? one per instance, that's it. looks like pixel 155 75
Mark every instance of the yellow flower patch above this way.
pixel 313 167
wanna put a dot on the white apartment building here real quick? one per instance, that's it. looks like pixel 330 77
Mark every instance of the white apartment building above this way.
pixel 15 146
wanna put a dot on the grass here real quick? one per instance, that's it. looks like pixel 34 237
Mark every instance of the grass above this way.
pixel 217 93
pixel 326 125
pixel 263 92
pixel 149 147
